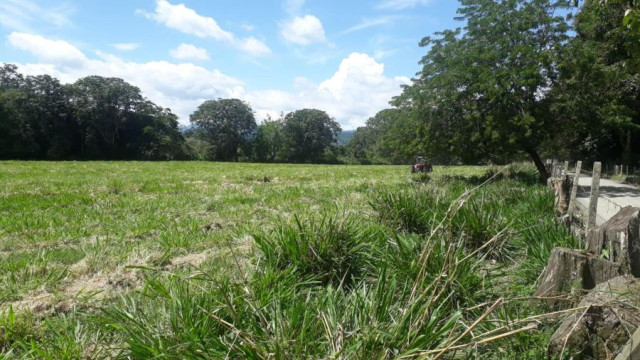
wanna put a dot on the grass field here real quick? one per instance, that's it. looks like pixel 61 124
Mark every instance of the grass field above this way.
pixel 136 259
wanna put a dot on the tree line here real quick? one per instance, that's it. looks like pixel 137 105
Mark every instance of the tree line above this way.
pixel 94 118
pixel 102 118
pixel 522 79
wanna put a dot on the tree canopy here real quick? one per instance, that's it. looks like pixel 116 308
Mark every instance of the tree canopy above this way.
pixel 228 124
pixel 93 118
pixel 483 90
pixel 307 134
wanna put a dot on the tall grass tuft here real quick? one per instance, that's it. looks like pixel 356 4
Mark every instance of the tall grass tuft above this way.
pixel 538 241
pixel 336 251
pixel 415 210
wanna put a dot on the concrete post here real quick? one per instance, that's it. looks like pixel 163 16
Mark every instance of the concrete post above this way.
pixel 595 191
pixel 574 190
pixel 566 168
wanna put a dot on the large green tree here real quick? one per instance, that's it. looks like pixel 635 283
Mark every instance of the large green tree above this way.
pixel 102 107
pixel 388 137
pixel 227 124
pixel 597 100
pixel 483 90
pixel 16 135
pixel 308 133
pixel 268 144
pixel 50 116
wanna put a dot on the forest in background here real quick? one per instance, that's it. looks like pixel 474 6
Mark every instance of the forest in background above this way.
pixel 520 80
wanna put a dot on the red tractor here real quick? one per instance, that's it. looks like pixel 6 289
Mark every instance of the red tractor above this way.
pixel 421 166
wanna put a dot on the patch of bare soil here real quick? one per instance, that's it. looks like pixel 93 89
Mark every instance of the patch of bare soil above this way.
pixel 91 288
pixel 241 248
pixel 189 260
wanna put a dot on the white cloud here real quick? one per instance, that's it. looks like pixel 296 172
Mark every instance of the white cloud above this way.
pixel 126 46
pixel 401 4
pixel 188 21
pixel 253 46
pixel 20 14
pixel 355 92
pixel 182 87
pixel 189 52
pixel 46 50
pixel 303 30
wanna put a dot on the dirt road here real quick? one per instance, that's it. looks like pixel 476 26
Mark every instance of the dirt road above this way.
pixel 613 197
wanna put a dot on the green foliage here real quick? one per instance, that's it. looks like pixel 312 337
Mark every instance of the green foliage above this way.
pixel 596 98
pixel 273 284
pixel 94 118
pixel 335 251
pixel 227 124
pixel 411 210
pixel 307 134
pixel 269 142
pixel 385 139
pixel 478 93
pixel 538 241
pixel 15 328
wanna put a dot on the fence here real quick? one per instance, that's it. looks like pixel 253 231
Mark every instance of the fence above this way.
pixel 573 174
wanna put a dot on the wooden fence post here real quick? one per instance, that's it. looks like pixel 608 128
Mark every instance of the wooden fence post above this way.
pixel 574 190
pixel 595 191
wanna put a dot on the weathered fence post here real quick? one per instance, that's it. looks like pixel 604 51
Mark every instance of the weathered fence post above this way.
pixel 566 168
pixel 595 191
pixel 574 190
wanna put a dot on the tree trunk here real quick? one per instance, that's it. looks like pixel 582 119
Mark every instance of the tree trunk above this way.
pixel 542 170
pixel 626 156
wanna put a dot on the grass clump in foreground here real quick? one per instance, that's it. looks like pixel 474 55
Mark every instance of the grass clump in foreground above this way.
pixel 433 269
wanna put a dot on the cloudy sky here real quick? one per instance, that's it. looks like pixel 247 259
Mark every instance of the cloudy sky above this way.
pixel 346 57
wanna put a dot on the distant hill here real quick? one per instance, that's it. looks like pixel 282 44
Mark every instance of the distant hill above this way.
pixel 345 136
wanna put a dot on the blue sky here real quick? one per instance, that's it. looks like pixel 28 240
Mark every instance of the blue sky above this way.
pixel 345 57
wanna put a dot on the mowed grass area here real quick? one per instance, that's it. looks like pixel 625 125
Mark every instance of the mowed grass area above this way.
pixel 208 260
pixel 65 222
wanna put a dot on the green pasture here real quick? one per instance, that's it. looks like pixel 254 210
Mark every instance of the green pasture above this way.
pixel 160 259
